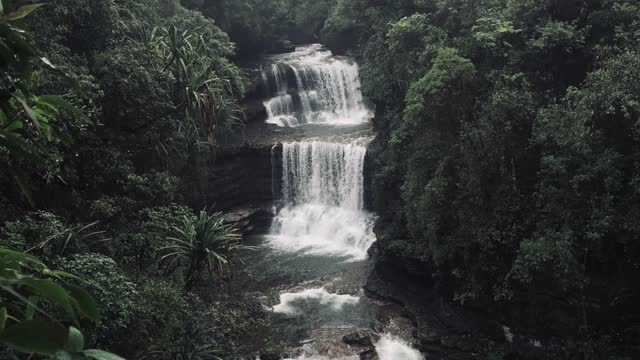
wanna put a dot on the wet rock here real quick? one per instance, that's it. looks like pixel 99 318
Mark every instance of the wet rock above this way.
pixel 359 338
pixel 282 47
pixel 249 220
pixel 237 176
pixel 430 337
pixel 270 356
pixel 369 355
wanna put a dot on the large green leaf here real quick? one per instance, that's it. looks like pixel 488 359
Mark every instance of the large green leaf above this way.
pixel 101 355
pixel 63 355
pixel 60 274
pixel 51 291
pixel 32 306
pixel 29 111
pixel 61 104
pixel 84 302
pixel 20 13
pixel 37 336
pixel 21 259
pixel 75 343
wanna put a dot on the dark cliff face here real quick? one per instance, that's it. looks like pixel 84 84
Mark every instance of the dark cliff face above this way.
pixel 240 176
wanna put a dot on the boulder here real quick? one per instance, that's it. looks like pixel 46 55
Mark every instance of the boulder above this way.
pixel 270 356
pixel 282 47
pixel 358 338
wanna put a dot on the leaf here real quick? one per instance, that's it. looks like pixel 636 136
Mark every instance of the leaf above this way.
pixel 84 302
pixel 62 104
pixel 32 305
pixel 48 63
pixel 75 342
pixel 51 291
pixel 32 116
pixel 37 336
pixel 18 256
pixel 63 355
pixel 21 12
pixel 59 274
pixel 101 355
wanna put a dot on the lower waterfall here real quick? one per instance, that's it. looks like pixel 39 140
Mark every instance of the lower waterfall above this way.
pixel 322 200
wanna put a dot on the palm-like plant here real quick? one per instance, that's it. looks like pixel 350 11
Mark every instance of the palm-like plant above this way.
pixel 199 244
pixel 205 86
pixel 71 239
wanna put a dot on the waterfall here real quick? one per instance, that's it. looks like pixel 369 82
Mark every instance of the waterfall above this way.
pixel 322 194
pixel 312 86
pixel 321 226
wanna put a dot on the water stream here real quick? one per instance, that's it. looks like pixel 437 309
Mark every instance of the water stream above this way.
pixel 315 256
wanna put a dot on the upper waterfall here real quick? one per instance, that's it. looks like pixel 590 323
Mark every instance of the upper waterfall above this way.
pixel 310 85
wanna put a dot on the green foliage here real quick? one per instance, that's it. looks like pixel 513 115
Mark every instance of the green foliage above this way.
pixel 206 86
pixel 33 229
pixel 560 35
pixel 257 26
pixel 415 43
pixel 199 244
pixel 45 234
pixel 511 127
pixel 26 325
pixel 436 97
pixel 340 30
pixel 141 248
pixel 116 295
pixel 159 83
pixel 491 31
pixel 27 121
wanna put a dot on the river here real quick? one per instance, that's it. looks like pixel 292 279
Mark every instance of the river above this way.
pixel 314 259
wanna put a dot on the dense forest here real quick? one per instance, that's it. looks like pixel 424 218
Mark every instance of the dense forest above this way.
pixel 506 166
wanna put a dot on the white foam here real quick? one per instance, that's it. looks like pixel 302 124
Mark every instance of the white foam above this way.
pixel 289 301
pixel 318 229
pixel 390 347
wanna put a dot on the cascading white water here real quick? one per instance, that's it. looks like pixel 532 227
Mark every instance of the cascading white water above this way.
pixel 321 189
pixel 322 193
pixel 312 86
